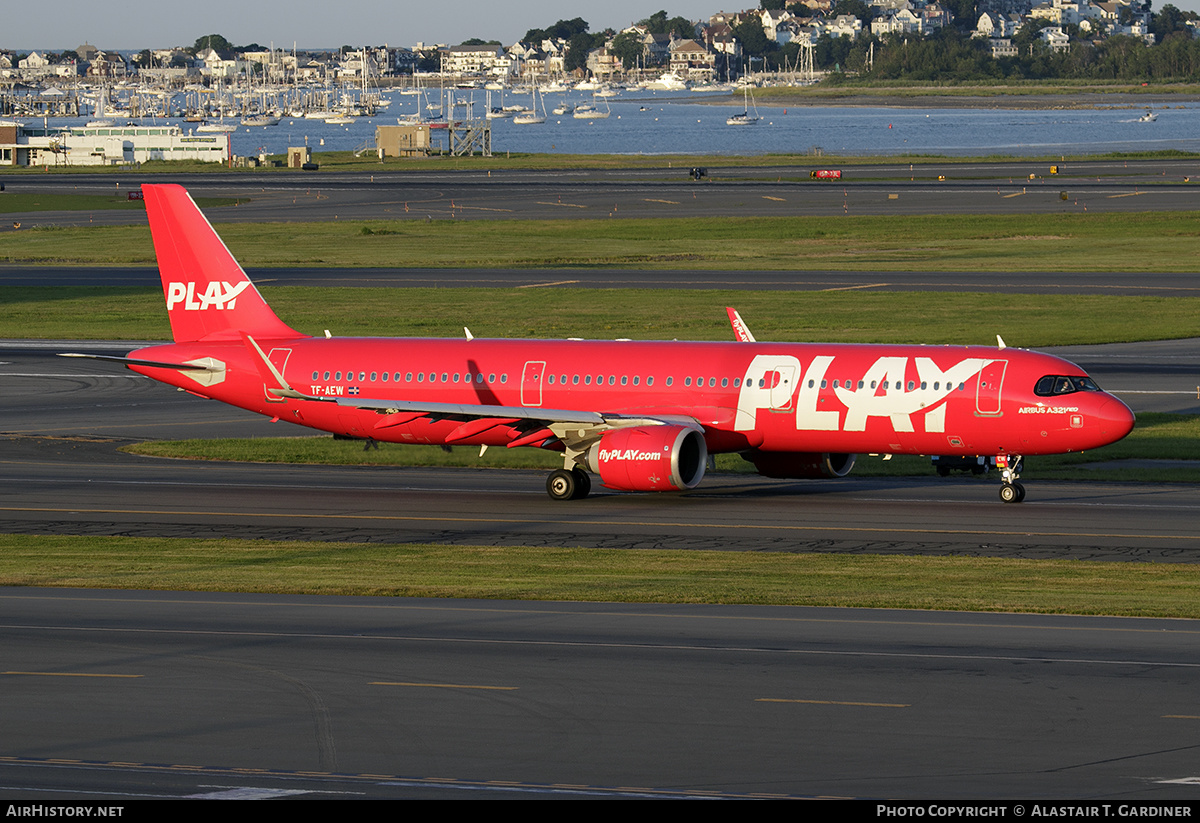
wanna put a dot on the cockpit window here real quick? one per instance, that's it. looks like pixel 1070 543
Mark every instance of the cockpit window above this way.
pixel 1055 384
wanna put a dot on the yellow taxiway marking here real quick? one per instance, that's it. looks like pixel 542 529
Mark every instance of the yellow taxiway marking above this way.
pixel 68 674
pixel 833 702
pixel 564 205
pixel 412 518
pixel 1014 194
pixel 1130 194
pixel 443 686
pixel 106 427
pixel 852 288
pixel 1181 716
pixel 668 202
pixel 769 197
pixel 540 285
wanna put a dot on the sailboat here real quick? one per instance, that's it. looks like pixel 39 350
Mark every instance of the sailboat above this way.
pixel 530 117
pixel 744 118
pixel 220 127
pixel 590 112
pixel 496 112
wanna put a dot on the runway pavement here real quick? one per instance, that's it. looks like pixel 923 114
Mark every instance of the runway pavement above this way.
pixel 119 695
pixel 115 695
pixel 742 189
pixel 1164 284
pixel 64 420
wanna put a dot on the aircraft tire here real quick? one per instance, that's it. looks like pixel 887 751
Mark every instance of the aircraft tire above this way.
pixel 1012 492
pixel 562 485
pixel 583 483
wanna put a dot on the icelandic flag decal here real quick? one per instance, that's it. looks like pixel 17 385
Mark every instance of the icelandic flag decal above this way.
pixel 352 390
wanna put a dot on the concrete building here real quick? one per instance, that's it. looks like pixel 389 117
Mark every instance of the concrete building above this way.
pixel 105 145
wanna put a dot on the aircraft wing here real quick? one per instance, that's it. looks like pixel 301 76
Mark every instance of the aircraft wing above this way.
pixel 576 429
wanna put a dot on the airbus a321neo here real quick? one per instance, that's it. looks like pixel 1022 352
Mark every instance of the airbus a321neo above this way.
pixel 642 416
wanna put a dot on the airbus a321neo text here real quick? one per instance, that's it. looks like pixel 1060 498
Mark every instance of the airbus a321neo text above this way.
pixel 641 416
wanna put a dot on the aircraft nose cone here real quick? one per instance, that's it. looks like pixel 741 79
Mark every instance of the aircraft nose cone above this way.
pixel 1116 419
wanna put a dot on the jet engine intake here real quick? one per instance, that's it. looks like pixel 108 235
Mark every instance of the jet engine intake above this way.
pixel 649 458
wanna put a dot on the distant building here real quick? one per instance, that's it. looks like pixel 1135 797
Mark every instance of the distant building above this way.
pixel 474 60
pixel 692 61
pixel 105 145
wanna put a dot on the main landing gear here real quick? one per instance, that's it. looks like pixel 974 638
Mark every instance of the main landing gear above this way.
pixel 1010 469
pixel 568 484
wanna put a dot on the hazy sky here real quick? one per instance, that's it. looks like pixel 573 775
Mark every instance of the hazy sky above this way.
pixel 123 24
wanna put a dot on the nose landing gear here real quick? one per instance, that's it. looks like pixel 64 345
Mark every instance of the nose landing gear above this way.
pixel 1010 469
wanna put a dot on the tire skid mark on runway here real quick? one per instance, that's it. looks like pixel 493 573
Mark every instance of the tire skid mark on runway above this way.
pixel 320 780
pixel 662 524
pixel 773 649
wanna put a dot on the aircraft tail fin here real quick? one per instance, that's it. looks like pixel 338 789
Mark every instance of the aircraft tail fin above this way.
pixel 208 295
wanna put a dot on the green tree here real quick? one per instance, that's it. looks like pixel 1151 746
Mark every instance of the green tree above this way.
pixel 659 23
pixel 656 23
pixel 215 42
pixel 754 40
pixel 1168 21
pixel 578 48
pixel 855 8
pixel 627 47
pixel 562 30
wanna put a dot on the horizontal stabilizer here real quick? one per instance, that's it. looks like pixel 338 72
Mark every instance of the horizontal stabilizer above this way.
pixel 150 364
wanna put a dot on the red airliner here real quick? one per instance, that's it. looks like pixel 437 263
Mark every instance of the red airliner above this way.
pixel 642 416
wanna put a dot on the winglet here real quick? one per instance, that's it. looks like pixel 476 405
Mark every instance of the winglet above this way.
pixel 1000 344
pixel 740 330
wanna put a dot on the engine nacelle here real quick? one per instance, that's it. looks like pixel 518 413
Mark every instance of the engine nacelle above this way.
pixel 649 458
pixel 801 464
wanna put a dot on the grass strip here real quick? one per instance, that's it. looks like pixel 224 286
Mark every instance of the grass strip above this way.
pixel 21 203
pixel 975 243
pixel 1158 437
pixel 856 316
pixel 577 574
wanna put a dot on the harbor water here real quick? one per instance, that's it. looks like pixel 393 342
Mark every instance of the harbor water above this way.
pixel 674 123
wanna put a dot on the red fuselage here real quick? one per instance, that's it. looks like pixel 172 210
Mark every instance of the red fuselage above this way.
pixel 947 400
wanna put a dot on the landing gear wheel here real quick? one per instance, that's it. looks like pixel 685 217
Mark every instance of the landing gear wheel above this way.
pixel 583 483
pixel 1012 492
pixel 562 484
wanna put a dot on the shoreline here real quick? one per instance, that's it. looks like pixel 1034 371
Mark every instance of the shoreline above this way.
pixel 1082 100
